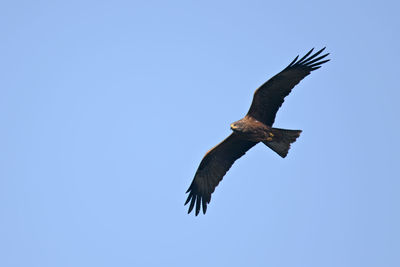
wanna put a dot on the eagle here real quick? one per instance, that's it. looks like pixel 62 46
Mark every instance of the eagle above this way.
pixel 254 128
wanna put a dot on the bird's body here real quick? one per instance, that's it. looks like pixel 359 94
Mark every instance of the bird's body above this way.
pixel 255 127
pixel 251 129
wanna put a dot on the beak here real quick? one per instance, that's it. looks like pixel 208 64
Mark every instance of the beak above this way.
pixel 233 127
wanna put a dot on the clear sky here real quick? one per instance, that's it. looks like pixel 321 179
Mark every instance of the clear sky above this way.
pixel 107 107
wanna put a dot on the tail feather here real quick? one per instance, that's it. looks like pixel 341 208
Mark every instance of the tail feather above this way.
pixel 281 140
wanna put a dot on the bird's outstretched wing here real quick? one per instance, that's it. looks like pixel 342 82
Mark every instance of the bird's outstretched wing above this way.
pixel 212 168
pixel 269 97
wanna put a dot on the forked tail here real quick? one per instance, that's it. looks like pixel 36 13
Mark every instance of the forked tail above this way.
pixel 281 140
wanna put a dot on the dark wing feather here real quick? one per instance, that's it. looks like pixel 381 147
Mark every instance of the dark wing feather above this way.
pixel 269 97
pixel 212 169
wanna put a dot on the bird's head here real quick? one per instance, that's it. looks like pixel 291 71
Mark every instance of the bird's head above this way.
pixel 237 126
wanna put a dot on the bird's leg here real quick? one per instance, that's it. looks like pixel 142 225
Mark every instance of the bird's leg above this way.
pixel 270 135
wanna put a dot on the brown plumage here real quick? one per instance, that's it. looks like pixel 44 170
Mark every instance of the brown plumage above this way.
pixel 255 127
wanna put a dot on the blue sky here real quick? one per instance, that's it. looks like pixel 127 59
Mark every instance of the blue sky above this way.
pixel 107 107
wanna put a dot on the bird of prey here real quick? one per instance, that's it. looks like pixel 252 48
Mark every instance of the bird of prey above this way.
pixel 255 127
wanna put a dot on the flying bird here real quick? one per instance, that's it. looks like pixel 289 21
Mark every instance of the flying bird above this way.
pixel 255 127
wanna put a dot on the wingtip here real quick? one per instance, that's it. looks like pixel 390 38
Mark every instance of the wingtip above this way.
pixel 304 58
pixel 187 201
pixel 188 198
pixel 293 61
pixel 190 188
pixel 310 51
pixel 191 205
pixel 198 202
pixel 322 49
